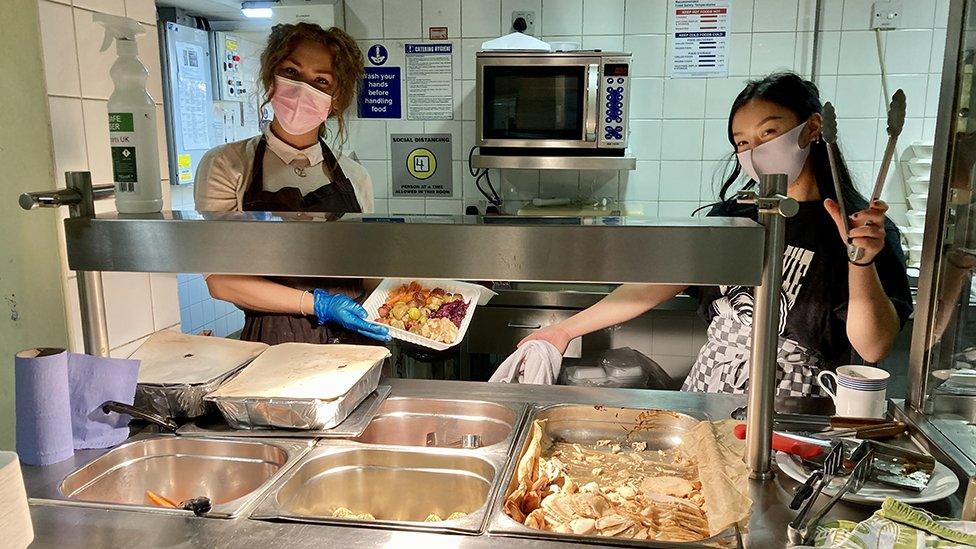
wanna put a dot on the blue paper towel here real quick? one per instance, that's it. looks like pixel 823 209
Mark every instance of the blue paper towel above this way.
pixel 92 381
pixel 58 403
pixel 42 406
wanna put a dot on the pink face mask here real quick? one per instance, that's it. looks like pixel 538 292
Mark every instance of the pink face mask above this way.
pixel 780 155
pixel 299 107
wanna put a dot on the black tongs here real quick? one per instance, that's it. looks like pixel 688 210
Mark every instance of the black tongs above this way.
pixel 896 121
pixel 829 133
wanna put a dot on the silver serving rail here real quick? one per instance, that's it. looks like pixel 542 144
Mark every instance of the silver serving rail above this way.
pixel 708 251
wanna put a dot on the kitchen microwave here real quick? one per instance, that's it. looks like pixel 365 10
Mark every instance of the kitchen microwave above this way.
pixel 569 103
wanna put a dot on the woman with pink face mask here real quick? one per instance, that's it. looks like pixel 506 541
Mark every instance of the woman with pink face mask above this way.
pixel 829 305
pixel 310 75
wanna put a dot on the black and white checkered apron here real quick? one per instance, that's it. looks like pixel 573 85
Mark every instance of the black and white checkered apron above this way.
pixel 723 363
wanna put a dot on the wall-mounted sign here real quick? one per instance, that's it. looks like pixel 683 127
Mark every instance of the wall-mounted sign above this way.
pixel 377 54
pixel 379 96
pixel 437 33
pixel 421 164
pixel 701 38
pixel 430 81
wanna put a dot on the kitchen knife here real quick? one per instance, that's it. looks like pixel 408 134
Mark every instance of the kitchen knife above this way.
pixel 829 133
pixel 866 432
pixel 896 121
pixel 783 443
pixel 811 422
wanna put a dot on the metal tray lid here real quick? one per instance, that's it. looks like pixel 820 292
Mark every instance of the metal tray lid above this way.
pixel 303 371
pixel 172 358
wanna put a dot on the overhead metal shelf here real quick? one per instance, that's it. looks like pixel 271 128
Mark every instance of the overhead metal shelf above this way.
pixel 554 162
pixel 706 251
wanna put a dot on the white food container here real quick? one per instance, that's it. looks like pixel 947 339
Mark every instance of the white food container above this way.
pixel 918 184
pixel 920 166
pixel 918 201
pixel 474 295
pixel 916 218
pixel 922 149
pixel 912 235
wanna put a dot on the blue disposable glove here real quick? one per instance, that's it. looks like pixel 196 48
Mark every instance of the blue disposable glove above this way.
pixel 345 312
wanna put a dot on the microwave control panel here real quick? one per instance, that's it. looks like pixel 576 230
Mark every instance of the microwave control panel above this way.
pixel 614 98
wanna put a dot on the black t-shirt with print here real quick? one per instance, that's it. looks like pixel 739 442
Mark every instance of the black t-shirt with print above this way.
pixel 813 310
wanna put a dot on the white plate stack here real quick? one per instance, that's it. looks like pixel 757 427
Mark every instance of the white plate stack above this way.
pixel 15 519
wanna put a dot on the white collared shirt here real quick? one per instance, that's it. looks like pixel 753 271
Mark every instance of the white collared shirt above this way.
pixel 289 154
pixel 225 171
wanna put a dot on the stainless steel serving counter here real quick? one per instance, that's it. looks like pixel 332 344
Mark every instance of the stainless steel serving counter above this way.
pixel 60 526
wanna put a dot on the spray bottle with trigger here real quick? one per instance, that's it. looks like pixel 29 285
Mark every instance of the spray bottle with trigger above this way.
pixel 131 121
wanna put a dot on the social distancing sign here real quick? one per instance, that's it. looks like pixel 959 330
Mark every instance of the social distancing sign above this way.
pixel 421 164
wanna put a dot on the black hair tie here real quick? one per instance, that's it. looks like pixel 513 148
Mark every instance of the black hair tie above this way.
pixel 868 264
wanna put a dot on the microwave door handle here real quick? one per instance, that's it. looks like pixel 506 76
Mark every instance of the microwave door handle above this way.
pixel 591 113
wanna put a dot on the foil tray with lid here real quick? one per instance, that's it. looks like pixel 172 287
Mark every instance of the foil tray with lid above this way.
pixel 266 393
pixel 353 426
pixel 177 371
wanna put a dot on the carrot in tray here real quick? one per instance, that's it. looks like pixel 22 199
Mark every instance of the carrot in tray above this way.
pixel 159 500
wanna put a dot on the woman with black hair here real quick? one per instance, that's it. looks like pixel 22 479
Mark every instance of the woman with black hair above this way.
pixel 828 304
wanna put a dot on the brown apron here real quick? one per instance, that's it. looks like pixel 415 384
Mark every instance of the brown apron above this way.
pixel 338 197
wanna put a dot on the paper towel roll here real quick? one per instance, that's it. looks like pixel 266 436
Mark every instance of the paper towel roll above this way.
pixel 92 381
pixel 15 519
pixel 42 406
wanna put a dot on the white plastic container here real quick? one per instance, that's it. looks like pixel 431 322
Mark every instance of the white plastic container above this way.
pixel 920 166
pixel 916 218
pixel 131 121
pixel 474 295
pixel 913 235
pixel 918 184
pixel 922 149
pixel 918 201
pixel 587 376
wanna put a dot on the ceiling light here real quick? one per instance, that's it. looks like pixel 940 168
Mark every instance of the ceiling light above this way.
pixel 257 13
pixel 258 9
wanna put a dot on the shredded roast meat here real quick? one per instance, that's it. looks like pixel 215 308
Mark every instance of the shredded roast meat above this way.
pixel 606 490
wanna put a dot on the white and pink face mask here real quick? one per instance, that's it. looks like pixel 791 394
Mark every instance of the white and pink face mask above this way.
pixel 780 155
pixel 299 107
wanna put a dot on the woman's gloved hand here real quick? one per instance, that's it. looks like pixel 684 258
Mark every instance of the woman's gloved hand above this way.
pixel 345 312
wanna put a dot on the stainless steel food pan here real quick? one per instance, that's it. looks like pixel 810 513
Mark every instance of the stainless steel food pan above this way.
pixel 231 473
pixel 400 487
pixel 587 424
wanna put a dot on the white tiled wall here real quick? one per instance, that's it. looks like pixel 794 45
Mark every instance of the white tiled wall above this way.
pixel 849 72
pixel 678 126
pixel 197 310
pixel 78 87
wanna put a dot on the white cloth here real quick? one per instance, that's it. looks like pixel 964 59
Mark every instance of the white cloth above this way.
pixel 516 41
pixel 225 171
pixel 537 362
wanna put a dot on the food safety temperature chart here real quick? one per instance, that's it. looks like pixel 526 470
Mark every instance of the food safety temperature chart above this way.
pixel 701 38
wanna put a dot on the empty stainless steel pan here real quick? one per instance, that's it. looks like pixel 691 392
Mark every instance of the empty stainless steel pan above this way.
pixel 440 422
pixel 232 473
pixel 400 487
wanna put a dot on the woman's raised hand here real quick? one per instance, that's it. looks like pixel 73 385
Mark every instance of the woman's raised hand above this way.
pixel 554 334
pixel 867 228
